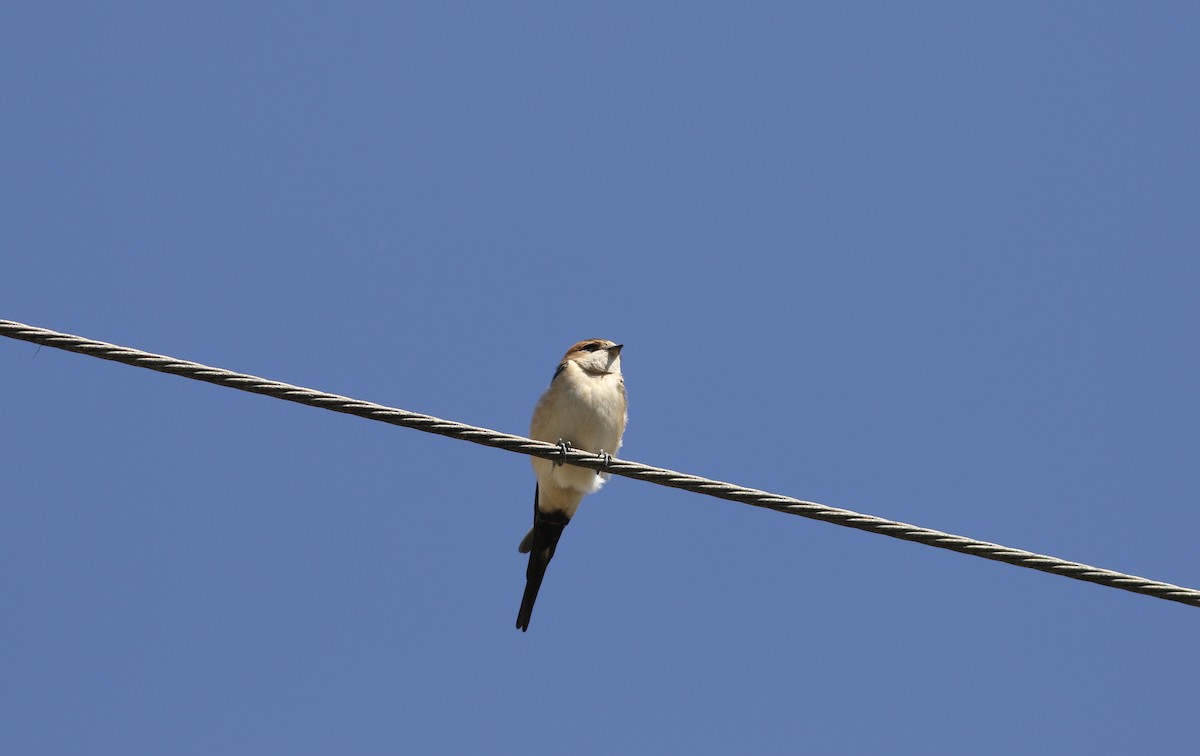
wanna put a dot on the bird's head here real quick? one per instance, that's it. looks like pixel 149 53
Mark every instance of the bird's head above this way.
pixel 596 356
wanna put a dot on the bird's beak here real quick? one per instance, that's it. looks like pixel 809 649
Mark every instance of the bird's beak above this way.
pixel 616 348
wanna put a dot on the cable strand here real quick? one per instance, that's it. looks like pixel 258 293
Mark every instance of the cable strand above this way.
pixel 625 468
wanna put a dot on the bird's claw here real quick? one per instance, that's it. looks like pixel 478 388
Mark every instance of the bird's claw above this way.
pixel 606 461
pixel 563 448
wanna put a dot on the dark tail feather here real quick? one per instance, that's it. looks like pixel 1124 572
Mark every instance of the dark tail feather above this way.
pixel 547 529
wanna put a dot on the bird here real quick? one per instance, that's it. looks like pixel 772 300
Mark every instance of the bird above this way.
pixel 584 408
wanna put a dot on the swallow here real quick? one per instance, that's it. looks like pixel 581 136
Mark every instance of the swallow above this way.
pixel 584 408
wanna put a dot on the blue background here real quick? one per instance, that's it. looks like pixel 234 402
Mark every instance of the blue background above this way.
pixel 936 262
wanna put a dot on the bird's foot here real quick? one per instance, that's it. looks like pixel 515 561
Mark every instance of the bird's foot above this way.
pixel 606 460
pixel 563 448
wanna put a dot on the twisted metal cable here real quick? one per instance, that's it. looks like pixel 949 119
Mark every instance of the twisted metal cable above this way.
pixel 625 468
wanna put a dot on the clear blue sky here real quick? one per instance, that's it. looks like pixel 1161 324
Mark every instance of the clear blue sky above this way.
pixel 937 262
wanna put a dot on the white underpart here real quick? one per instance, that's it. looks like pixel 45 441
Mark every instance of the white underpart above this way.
pixel 588 412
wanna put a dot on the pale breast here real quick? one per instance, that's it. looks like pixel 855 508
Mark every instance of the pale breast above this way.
pixel 589 413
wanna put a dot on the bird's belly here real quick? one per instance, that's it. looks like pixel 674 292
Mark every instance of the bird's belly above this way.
pixel 589 419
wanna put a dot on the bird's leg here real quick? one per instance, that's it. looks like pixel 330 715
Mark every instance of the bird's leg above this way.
pixel 563 448
pixel 607 461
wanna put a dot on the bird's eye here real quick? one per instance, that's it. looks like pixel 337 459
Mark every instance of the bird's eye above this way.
pixel 591 347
